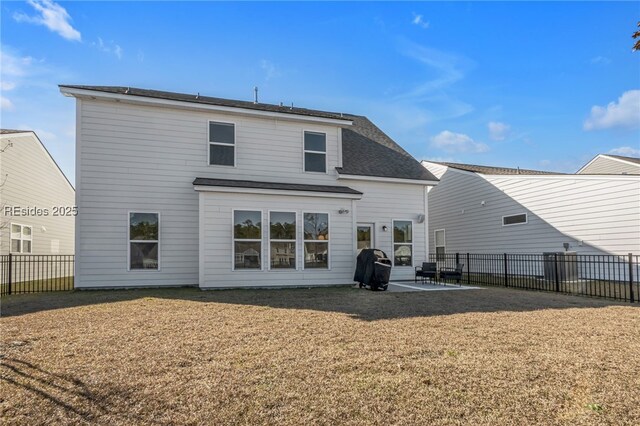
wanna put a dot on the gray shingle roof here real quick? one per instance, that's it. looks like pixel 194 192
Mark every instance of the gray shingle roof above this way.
pixel 232 183
pixel 489 170
pixel 622 157
pixel 366 150
pixel 11 131
pixel 208 100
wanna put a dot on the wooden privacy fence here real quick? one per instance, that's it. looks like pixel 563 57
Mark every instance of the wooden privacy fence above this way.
pixel 607 276
pixel 33 273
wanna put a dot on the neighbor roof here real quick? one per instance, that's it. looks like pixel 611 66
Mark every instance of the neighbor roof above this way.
pixel 366 150
pixel 232 183
pixel 11 131
pixel 622 157
pixel 489 170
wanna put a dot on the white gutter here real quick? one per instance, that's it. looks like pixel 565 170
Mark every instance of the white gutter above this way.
pixel 145 100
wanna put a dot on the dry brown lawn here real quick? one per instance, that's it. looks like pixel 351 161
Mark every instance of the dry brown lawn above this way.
pixel 321 356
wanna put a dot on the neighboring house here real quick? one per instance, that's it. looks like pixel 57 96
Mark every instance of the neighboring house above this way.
pixel 176 189
pixel 479 209
pixel 608 164
pixel 36 199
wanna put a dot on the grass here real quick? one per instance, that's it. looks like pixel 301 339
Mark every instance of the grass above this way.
pixel 35 286
pixel 321 356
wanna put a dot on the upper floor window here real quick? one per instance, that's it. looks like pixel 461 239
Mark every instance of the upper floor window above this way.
pixel 144 241
pixel 222 144
pixel 315 152
pixel 21 238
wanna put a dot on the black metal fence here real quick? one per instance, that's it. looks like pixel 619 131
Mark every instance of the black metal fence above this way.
pixel 607 276
pixel 32 273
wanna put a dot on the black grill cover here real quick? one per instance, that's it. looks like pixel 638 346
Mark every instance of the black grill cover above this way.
pixel 373 268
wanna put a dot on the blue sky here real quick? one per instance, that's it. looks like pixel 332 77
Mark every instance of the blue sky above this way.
pixel 535 85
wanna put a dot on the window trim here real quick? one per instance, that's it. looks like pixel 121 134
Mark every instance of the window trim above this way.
pixel 328 242
pixel 305 151
pixel 209 143
pixel 143 241
pixel 21 238
pixel 295 241
pixel 435 242
pixel 233 240
pixel 526 219
pixel 393 243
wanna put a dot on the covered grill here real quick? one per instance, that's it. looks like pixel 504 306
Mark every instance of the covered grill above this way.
pixel 373 269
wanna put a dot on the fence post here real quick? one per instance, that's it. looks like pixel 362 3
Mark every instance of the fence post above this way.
pixel 506 276
pixel 631 298
pixel 555 265
pixel 10 267
pixel 468 270
pixel 457 259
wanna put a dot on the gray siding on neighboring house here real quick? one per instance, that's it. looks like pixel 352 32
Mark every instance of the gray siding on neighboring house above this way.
pixel 594 214
pixel 603 165
pixel 30 178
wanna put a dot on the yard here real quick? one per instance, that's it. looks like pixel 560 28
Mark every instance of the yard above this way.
pixel 322 356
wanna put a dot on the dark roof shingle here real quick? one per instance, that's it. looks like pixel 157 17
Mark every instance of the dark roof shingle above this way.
pixel 232 183
pixel 11 131
pixel 489 170
pixel 208 100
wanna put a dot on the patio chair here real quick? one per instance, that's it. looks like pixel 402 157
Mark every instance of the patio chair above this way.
pixel 427 270
pixel 455 273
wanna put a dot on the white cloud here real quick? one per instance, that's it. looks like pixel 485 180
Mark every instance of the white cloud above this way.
pixel 600 60
pixel 498 131
pixel 7 85
pixel 52 16
pixel 623 113
pixel 457 142
pixel 419 21
pixel 12 65
pixel 5 104
pixel 109 47
pixel 626 151
pixel 270 69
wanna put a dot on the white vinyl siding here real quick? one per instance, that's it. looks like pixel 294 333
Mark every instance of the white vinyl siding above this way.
pixel 594 214
pixel 143 158
pixel 30 178
pixel 603 165
pixel 381 204
pixel 217 208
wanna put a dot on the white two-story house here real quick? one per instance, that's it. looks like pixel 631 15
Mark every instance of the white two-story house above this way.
pixel 176 189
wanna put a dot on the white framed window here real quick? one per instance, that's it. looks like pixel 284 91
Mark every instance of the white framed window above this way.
pixel 364 236
pixel 144 241
pixel 516 219
pixel 247 239
pixel 316 240
pixel 282 240
pixel 21 239
pixel 222 144
pixel 402 243
pixel 315 152
pixel 439 237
